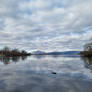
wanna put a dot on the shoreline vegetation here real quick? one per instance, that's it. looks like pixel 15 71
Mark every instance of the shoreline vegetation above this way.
pixel 87 50
pixel 7 52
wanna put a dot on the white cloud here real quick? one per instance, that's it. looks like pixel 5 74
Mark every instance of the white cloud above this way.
pixel 45 24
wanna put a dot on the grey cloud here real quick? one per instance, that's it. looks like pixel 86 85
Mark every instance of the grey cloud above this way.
pixel 45 25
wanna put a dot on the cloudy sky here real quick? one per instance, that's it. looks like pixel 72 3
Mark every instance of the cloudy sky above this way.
pixel 50 25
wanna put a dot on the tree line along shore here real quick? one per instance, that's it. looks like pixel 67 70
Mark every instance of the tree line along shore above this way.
pixel 87 52
pixel 6 51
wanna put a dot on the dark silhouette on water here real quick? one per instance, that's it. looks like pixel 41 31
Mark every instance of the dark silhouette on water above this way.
pixel 54 73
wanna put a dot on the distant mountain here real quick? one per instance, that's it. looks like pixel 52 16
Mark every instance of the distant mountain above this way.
pixel 64 53
pixel 38 53
pixel 56 53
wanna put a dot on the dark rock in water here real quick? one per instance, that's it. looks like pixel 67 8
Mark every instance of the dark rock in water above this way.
pixel 54 73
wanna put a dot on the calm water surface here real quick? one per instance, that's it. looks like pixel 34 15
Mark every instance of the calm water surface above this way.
pixel 35 74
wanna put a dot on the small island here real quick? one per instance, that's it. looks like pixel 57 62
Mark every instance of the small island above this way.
pixel 6 51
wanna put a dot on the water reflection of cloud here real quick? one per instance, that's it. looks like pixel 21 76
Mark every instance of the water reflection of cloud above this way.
pixel 34 74
pixel 48 64
pixel 43 83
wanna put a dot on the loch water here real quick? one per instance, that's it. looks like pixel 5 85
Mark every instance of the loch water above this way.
pixel 46 73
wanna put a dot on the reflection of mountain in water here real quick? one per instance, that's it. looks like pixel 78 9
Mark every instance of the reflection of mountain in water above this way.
pixel 7 60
